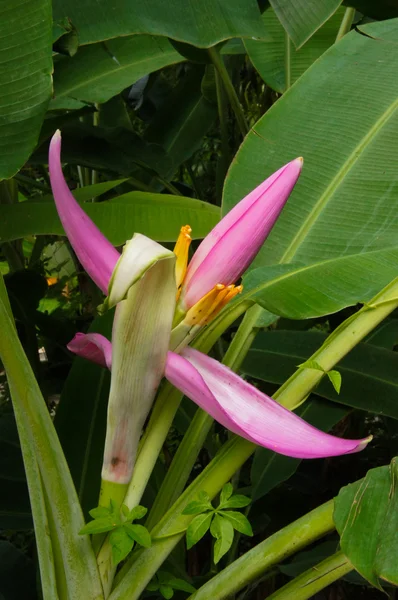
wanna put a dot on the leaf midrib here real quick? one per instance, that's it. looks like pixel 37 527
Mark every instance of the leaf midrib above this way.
pixel 301 269
pixel 147 60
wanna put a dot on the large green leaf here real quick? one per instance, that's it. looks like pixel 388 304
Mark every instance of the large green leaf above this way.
pixel 159 216
pixel 346 201
pixel 268 56
pixel 298 291
pixel 366 517
pixel 25 78
pixel 201 23
pixel 268 468
pixel 100 71
pixel 301 18
pixel 369 372
pixel 55 506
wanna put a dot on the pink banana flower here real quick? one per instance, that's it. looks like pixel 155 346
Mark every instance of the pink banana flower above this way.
pixel 221 258
pixel 204 288
pixel 237 405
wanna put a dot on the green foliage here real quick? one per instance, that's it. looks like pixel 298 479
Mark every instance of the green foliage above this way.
pixel 269 56
pixel 301 18
pixel 156 215
pixel 334 376
pixel 166 584
pixel 329 265
pixel 275 355
pixel 25 84
pixel 183 21
pixel 220 521
pixel 150 131
pixel 123 533
pixel 366 519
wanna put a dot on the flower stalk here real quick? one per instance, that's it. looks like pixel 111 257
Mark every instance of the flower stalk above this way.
pixel 315 579
pixel 273 550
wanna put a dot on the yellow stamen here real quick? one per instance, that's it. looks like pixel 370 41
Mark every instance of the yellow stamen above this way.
pixel 210 305
pixel 181 251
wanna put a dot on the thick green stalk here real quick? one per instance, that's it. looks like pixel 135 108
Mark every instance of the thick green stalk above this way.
pixel 346 23
pixel 218 63
pixel 243 338
pixel 275 549
pixel 338 344
pixel 181 466
pixel 315 579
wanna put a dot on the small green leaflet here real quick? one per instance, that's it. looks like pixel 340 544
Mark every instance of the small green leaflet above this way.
pixel 220 521
pixel 334 376
pixel 123 534
pixel 238 521
pixel 198 527
pixel 223 532
pixel 166 583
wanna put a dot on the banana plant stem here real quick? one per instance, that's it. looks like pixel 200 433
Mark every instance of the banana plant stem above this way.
pixel 338 344
pixel 346 23
pixel 229 89
pixel 268 553
pixel 315 579
pixel 248 567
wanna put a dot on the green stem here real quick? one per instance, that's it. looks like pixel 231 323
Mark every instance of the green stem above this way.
pixel 315 579
pixel 181 466
pixel 248 567
pixel 32 183
pixel 338 344
pixel 346 23
pixel 143 187
pixel 268 553
pixel 169 186
pixel 243 338
pixel 193 179
pixel 288 52
pixel 221 69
